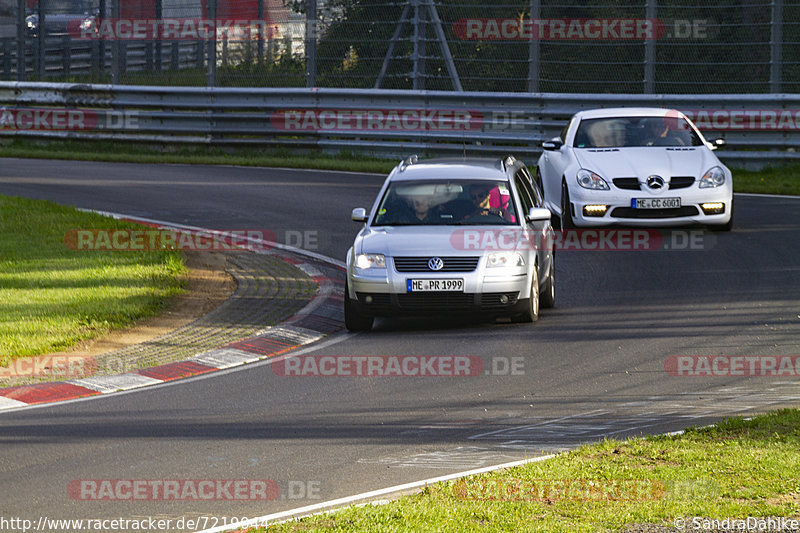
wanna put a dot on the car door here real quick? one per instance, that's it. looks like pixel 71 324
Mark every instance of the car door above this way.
pixel 537 232
pixel 553 163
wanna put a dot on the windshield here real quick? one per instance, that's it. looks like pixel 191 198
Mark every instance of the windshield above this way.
pixel 439 203
pixel 66 7
pixel 621 132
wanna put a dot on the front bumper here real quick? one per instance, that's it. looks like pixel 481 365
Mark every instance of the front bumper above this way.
pixel 620 211
pixel 486 295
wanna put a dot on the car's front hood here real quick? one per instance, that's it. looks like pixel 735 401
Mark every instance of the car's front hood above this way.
pixel 432 240
pixel 641 162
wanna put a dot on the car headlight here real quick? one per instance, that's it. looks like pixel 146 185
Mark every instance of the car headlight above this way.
pixel 590 180
pixel 365 261
pixel 713 178
pixel 505 259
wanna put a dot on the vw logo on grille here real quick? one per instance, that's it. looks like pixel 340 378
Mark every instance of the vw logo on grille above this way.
pixel 655 182
pixel 435 263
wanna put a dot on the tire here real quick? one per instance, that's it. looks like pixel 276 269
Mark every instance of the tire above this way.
pixel 547 298
pixel 566 209
pixel 723 227
pixel 353 320
pixel 531 314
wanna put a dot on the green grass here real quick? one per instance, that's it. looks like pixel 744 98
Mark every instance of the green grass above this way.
pixel 52 297
pixel 737 469
pixel 773 180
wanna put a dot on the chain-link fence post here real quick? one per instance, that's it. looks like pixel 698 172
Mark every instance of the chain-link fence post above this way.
pixel 211 73
pixel 21 66
pixel 116 47
pixel 651 12
pixel 311 43
pixel 534 48
pixel 776 47
pixel 41 41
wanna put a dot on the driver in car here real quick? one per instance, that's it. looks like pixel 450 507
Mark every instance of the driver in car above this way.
pixel 481 206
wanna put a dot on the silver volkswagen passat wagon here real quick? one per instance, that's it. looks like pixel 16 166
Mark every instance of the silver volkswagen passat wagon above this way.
pixel 452 236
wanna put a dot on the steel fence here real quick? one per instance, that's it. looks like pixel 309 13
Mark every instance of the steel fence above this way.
pixel 757 128
pixel 573 46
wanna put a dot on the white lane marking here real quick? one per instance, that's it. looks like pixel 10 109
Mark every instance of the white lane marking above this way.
pixel 761 195
pixel 329 505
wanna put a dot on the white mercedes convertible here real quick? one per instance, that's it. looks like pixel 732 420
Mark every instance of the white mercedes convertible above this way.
pixel 637 167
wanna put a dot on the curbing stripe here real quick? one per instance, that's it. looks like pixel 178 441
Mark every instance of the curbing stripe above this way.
pixel 9 403
pixel 106 384
pixel 225 358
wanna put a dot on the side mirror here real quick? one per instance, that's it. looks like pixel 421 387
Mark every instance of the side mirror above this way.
pixel 538 214
pixel 717 143
pixel 359 214
pixel 553 144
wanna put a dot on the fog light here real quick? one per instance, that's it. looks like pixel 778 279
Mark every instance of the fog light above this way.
pixel 368 299
pixel 713 208
pixel 504 299
pixel 594 210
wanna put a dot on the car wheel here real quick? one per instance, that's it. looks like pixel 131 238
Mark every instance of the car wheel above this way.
pixel 353 319
pixel 531 313
pixel 548 296
pixel 723 227
pixel 566 209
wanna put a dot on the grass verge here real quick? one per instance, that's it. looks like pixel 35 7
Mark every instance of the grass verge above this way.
pixel 773 180
pixel 736 469
pixel 52 297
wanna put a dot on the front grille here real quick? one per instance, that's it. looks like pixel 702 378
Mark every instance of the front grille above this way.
pixel 420 264
pixel 681 182
pixel 629 184
pixel 453 301
pixel 629 212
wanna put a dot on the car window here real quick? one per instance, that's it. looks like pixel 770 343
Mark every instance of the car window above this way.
pixel 563 134
pixel 523 192
pixel 622 132
pixel 451 202
pixel 531 190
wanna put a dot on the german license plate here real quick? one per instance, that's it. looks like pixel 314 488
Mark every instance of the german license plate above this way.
pixel 426 285
pixel 655 203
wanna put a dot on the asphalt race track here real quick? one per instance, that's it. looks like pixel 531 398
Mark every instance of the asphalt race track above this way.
pixel 592 367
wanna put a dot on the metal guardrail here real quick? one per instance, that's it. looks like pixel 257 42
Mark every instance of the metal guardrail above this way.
pixel 758 128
